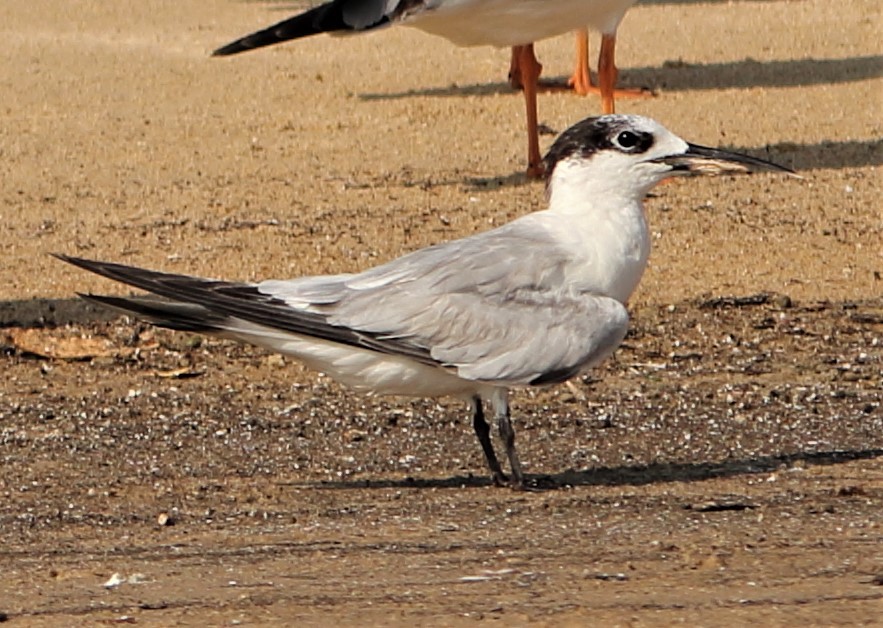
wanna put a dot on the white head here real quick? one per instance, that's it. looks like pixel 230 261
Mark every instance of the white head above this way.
pixel 623 156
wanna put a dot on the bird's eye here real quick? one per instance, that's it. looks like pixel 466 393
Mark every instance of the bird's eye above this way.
pixel 627 139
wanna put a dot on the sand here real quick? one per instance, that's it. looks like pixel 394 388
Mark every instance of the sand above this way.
pixel 724 468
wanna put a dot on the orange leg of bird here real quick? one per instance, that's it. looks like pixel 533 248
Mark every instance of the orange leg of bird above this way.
pixel 514 70
pixel 607 74
pixel 529 74
pixel 581 79
pixel 516 80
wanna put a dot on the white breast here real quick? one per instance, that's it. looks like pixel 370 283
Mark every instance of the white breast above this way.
pixel 359 369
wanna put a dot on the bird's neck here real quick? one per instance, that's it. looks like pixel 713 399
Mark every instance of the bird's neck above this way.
pixel 608 233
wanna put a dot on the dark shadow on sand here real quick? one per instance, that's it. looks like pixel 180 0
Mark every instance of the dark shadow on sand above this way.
pixel 819 156
pixel 676 76
pixel 52 312
pixel 638 475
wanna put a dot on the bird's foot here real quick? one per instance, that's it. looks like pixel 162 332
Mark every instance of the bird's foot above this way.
pixel 536 484
pixel 581 83
pixel 535 171
pixel 500 479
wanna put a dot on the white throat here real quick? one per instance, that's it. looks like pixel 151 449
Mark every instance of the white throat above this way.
pixel 603 221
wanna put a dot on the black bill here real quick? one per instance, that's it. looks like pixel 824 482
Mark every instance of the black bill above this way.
pixel 704 160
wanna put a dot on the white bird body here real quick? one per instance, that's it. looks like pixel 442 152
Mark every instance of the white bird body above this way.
pixel 562 275
pixel 368 372
pixel 504 23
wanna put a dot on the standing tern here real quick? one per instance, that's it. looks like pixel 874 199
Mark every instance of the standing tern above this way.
pixel 532 303
pixel 501 23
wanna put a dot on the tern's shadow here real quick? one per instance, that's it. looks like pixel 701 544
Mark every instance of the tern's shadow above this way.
pixel 674 76
pixel 52 312
pixel 819 156
pixel 660 473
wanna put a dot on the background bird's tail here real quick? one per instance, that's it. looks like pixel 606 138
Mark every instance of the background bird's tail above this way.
pixel 325 18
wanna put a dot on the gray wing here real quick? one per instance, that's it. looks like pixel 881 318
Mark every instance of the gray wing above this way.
pixel 527 338
pixel 493 306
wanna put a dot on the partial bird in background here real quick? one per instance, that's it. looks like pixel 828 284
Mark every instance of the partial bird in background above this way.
pixel 501 23
pixel 581 79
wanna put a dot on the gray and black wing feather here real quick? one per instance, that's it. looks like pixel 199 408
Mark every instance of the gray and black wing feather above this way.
pixel 338 16
pixel 493 307
pixel 207 305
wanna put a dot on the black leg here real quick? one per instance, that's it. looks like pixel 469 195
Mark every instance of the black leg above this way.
pixel 483 431
pixel 507 433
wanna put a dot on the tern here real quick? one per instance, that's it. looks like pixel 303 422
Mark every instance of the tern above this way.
pixel 502 23
pixel 532 303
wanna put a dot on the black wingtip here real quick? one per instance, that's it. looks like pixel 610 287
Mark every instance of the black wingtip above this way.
pixel 167 314
pixel 80 262
pixel 132 275
pixel 69 259
pixel 260 39
pixel 114 303
pixel 323 18
pixel 232 48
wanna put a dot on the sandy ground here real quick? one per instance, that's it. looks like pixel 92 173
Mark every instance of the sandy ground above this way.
pixel 723 469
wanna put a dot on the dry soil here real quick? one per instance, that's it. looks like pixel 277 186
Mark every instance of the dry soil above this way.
pixel 723 469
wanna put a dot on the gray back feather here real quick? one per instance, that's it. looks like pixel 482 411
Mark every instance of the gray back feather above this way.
pixel 493 306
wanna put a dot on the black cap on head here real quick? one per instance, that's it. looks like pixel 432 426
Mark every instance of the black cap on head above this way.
pixel 592 135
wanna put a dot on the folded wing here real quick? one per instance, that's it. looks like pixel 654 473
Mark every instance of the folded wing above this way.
pixel 491 308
